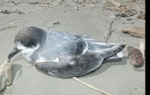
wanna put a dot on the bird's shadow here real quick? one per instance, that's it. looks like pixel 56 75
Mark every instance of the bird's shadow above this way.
pixel 17 71
pixel 108 63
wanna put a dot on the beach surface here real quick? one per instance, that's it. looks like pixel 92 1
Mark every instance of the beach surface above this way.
pixel 84 17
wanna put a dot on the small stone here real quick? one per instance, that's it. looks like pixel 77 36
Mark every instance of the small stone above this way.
pixel 135 56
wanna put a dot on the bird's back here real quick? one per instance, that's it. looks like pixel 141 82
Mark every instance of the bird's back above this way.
pixel 75 55
pixel 59 44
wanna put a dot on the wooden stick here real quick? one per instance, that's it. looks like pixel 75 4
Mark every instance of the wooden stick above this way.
pixel 90 86
pixel 142 48
pixel 110 30
pixel 5 74
pixel 117 4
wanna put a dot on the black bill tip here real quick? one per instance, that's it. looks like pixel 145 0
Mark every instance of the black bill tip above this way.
pixel 123 46
pixel 13 53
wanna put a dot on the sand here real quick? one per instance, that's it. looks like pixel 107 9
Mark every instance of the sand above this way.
pixel 89 18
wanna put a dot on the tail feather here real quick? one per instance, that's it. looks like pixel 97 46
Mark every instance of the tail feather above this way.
pixel 107 50
pixel 116 56
pixel 96 45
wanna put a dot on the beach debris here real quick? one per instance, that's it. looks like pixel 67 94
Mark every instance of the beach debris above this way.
pixel 123 10
pixel 14 2
pixel 56 23
pixel 121 40
pixel 42 4
pixel 135 56
pixel 77 4
pixel 115 3
pixel 141 16
pixel 142 48
pixel 114 8
pixel 80 1
pixel 46 4
pixel 134 31
pixel 128 13
pixel 10 12
pixel 110 30
pixel 8 27
pixel 91 86
pixel 7 11
pixel 5 74
pixel 133 0
pixel 86 3
pixel 128 22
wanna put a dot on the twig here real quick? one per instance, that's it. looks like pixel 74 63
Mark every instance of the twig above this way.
pixel 90 86
pixel 142 48
pixel 110 30
pixel 7 27
pixel 115 3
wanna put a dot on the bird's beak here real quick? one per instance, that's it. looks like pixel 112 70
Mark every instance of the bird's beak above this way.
pixel 13 53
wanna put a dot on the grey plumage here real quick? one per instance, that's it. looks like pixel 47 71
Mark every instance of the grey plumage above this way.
pixel 75 55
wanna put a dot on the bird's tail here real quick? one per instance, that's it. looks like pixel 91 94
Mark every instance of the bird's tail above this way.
pixel 107 50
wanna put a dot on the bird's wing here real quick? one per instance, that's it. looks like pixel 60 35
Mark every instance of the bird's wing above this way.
pixel 73 66
pixel 61 44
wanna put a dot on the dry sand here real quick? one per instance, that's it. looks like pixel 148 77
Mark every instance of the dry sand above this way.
pixel 89 18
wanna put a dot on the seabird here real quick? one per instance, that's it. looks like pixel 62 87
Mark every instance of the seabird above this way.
pixel 61 54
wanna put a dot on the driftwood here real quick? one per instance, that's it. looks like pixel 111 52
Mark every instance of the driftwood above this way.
pixel 141 16
pixel 134 31
pixel 125 10
pixel 10 12
pixel 142 48
pixel 5 74
pixel 117 4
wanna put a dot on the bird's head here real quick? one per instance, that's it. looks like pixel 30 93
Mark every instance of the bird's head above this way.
pixel 27 41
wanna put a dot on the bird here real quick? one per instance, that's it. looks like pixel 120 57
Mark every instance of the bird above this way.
pixel 62 54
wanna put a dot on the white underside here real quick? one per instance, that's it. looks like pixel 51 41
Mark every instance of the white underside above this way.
pixel 40 59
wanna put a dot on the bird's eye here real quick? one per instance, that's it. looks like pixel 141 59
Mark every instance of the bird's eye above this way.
pixel 29 44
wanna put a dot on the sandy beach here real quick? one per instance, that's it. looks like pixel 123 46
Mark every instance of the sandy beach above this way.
pixel 84 17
